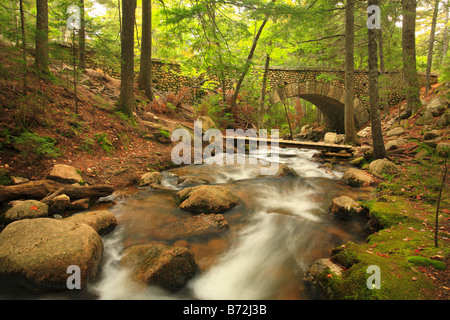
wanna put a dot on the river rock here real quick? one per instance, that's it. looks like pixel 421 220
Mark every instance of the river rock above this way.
pixel 28 209
pixel 64 174
pixel 163 266
pixel 102 221
pixel 358 178
pixel 382 167
pixel 41 250
pixel 207 199
pixel 320 273
pixel 149 178
pixel 19 180
pixel 345 207
pixel 192 181
pixel 427 118
pixel 202 224
pixel 285 171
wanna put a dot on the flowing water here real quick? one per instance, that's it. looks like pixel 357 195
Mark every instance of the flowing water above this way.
pixel 279 228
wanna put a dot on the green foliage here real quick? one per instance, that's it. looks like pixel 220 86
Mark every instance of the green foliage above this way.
pixel 104 142
pixel 328 78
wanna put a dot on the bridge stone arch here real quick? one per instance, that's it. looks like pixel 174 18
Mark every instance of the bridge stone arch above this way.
pixel 329 98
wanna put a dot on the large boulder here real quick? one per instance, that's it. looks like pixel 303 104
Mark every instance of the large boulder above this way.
pixel 64 174
pixel 41 250
pixel 382 167
pixel 163 266
pixel 28 209
pixel 102 221
pixel 149 179
pixel 207 199
pixel 199 225
pixel 358 178
pixel 443 149
pixel 345 207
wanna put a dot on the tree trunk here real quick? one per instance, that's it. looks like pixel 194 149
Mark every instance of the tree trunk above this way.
pixel 430 46
pixel 379 150
pixel 145 77
pixel 247 66
pixel 409 58
pixel 262 96
pixel 24 48
pixel 350 133
pixel 126 102
pixel 82 38
pixel 42 188
pixel 445 35
pixel 42 60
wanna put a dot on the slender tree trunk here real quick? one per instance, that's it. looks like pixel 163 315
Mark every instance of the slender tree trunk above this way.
pixel 82 38
pixel 42 59
pixel 24 48
pixel 409 58
pixel 430 46
pixel 379 149
pixel 445 34
pixel 350 133
pixel 126 102
pixel 262 96
pixel 247 66
pixel 145 77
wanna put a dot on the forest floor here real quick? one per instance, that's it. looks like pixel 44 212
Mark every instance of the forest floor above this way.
pixel 108 147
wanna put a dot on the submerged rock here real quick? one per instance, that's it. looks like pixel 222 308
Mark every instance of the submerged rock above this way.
pixel 160 265
pixel 207 199
pixel 102 221
pixel 202 224
pixel 286 171
pixel 41 250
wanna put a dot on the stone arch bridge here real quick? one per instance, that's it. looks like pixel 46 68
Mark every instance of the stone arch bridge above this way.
pixel 323 87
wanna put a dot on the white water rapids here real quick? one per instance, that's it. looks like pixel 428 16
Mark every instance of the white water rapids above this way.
pixel 285 227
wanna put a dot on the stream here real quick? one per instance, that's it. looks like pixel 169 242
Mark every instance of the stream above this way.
pixel 279 228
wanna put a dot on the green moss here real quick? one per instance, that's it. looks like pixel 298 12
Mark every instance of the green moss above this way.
pixel 425 262
pixel 390 210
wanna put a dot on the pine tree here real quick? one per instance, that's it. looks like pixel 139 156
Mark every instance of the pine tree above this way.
pixel 145 77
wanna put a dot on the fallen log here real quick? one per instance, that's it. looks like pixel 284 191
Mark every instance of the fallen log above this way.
pixel 41 189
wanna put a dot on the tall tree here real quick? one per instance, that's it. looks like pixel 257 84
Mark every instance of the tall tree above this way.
pixel 350 132
pixel 379 150
pixel 409 58
pixel 24 48
pixel 42 57
pixel 82 38
pixel 126 102
pixel 431 45
pixel 145 76
pixel 445 34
